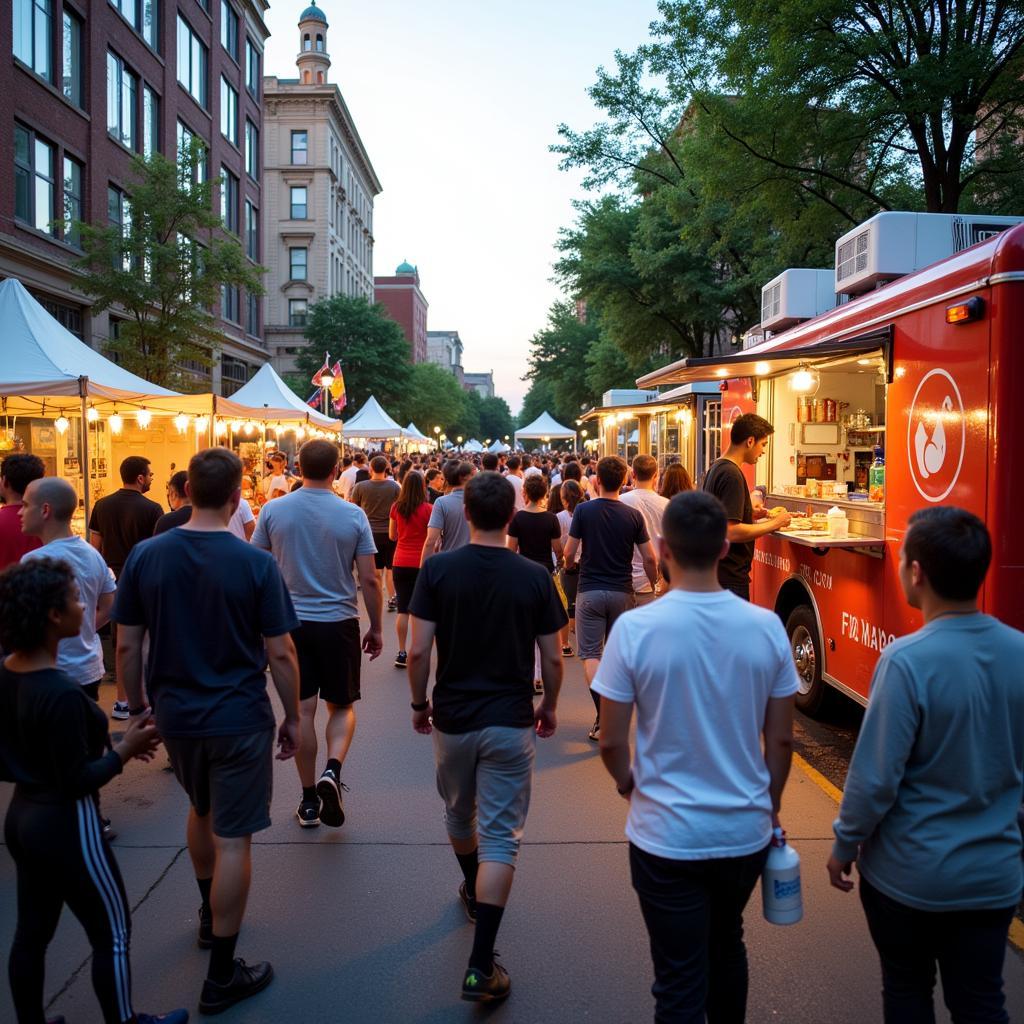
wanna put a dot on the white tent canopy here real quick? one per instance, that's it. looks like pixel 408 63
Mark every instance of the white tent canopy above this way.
pixel 472 445
pixel 271 399
pixel 545 425
pixel 372 422
pixel 499 448
pixel 413 433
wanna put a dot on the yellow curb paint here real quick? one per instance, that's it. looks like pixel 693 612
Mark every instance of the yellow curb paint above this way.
pixel 1016 936
pixel 819 780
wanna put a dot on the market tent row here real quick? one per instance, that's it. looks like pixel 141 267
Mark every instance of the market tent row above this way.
pixel 473 445
pixel 372 423
pixel 415 438
pixel 270 398
pixel 499 448
pixel 544 428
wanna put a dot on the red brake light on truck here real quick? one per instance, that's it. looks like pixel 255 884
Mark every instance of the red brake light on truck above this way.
pixel 964 312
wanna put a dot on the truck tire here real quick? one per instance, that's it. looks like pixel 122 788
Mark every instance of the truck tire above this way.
pixel 805 644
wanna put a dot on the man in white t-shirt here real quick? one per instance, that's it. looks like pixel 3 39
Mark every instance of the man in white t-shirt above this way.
pixel 242 522
pixel 515 478
pixel 703 797
pixel 347 477
pixel 46 513
pixel 651 505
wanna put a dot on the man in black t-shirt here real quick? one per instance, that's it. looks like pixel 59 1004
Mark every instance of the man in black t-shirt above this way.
pixel 486 607
pixel 118 522
pixel 178 499
pixel 725 480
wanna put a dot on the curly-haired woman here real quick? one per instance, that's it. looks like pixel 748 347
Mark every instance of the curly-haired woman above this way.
pixel 55 748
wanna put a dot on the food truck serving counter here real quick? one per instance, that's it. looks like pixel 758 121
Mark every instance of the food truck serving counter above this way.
pixel 885 405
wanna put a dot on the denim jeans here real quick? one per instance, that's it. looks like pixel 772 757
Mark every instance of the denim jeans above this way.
pixel 967 945
pixel 693 910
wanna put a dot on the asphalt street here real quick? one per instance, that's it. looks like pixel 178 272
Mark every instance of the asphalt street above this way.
pixel 363 924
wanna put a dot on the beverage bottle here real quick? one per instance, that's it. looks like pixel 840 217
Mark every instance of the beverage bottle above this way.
pixel 780 882
pixel 876 476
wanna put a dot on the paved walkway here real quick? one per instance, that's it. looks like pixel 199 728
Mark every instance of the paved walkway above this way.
pixel 363 923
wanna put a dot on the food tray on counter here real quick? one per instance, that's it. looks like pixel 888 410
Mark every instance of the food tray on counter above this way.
pixel 821 539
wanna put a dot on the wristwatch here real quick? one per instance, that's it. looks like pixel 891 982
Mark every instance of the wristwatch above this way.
pixel 420 707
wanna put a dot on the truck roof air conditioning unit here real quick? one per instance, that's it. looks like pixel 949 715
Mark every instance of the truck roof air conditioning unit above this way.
pixel 796 295
pixel 627 396
pixel 890 245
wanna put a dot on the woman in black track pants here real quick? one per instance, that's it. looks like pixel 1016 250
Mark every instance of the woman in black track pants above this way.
pixel 54 746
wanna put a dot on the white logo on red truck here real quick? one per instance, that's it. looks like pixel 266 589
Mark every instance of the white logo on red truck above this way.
pixel 936 435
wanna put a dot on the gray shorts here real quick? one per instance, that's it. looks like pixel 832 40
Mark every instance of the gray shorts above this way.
pixel 232 776
pixel 596 612
pixel 484 778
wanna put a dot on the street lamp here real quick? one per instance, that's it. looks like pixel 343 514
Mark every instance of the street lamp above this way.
pixel 326 380
pixel 459 439
pixel 437 432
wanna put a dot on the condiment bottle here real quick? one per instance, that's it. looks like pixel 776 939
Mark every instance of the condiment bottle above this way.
pixel 838 523
pixel 876 476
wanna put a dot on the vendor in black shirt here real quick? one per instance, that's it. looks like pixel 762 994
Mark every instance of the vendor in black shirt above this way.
pixel 487 608
pixel 534 532
pixel 55 748
pixel 725 480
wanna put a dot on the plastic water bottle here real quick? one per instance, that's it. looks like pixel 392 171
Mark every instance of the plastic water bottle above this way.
pixel 780 882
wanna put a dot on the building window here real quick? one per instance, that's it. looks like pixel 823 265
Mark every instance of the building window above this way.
pixel 122 101
pixel 252 150
pixel 142 16
pixel 298 202
pixel 185 138
pixel 297 312
pixel 73 172
pixel 297 259
pixel 228 112
pixel 300 147
pixel 252 68
pixel 319 42
pixel 150 122
pixel 229 28
pixel 71 80
pixel 229 303
pixel 252 315
pixel 192 59
pixel 306 44
pixel 229 200
pixel 233 374
pixel 69 317
pixel 252 231
pixel 33 35
pixel 34 169
pixel 119 213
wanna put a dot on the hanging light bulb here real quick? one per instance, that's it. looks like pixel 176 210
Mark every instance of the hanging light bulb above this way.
pixel 92 414
pixel 116 423
pixel 181 422
pixel 236 425
pixel 220 428
pixel 61 424
pixel 202 424
pixel 143 417
pixel 300 433
pixel 249 427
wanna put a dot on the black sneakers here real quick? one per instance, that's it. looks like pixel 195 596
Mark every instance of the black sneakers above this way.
pixel 595 731
pixel 204 939
pixel 401 659
pixel 393 604
pixel 567 652
pixel 478 987
pixel 309 813
pixel 247 981
pixel 468 903
pixel 329 790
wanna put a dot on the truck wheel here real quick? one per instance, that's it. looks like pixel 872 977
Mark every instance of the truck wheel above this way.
pixel 805 643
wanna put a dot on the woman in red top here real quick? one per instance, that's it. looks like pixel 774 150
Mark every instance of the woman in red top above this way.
pixel 409 517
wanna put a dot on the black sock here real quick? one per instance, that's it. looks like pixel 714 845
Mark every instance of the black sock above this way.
pixel 222 958
pixel 334 765
pixel 488 920
pixel 597 702
pixel 308 793
pixel 205 884
pixel 469 863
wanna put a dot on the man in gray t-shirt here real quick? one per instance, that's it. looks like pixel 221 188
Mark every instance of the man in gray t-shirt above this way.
pixel 315 537
pixel 447 528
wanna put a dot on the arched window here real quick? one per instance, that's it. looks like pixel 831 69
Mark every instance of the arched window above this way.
pixel 306 44
pixel 305 78
pixel 320 78
pixel 319 42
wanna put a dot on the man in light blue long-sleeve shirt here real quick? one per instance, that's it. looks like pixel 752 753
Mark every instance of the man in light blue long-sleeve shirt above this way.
pixel 935 784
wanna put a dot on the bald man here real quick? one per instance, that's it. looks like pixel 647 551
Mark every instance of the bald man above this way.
pixel 46 512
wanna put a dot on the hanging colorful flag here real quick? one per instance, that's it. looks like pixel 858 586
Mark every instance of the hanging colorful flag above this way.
pixel 316 398
pixel 338 388
pixel 323 369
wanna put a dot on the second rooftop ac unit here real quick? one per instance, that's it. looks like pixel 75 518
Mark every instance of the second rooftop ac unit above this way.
pixel 796 295
pixel 891 244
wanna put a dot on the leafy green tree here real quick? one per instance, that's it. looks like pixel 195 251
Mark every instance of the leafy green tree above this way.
pixel 495 419
pixel 539 398
pixel 164 268
pixel 467 423
pixel 558 354
pixel 432 398
pixel 371 347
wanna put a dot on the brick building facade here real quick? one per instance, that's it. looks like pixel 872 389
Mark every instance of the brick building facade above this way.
pixel 88 83
pixel 400 295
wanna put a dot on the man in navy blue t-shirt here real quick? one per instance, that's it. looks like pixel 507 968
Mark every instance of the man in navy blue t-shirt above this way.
pixel 210 603
pixel 608 531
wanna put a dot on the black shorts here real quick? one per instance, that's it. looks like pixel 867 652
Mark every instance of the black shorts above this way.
pixel 230 776
pixel 330 656
pixel 385 550
pixel 405 584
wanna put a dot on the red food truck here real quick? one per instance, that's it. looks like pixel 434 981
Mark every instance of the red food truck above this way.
pixel 930 368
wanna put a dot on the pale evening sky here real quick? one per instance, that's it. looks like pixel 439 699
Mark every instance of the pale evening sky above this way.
pixel 457 102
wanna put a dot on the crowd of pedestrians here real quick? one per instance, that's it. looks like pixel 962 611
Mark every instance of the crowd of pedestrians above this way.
pixel 497 569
